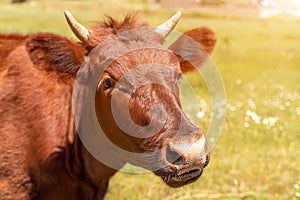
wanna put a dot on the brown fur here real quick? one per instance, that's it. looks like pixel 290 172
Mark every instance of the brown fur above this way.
pixel 109 27
pixel 51 52
pixel 201 41
pixel 41 154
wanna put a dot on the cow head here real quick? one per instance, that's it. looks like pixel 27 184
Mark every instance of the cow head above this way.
pixel 137 96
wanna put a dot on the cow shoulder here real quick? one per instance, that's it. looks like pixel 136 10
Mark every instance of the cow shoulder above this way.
pixel 52 52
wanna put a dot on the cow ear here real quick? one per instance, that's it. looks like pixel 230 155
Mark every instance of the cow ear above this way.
pixel 194 47
pixel 51 52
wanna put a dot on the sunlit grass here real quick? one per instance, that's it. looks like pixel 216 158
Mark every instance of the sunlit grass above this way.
pixel 257 155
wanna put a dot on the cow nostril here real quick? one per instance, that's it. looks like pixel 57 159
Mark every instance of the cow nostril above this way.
pixel 206 161
pixel 174 157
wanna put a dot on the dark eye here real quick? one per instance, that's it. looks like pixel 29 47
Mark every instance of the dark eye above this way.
pixel 108 83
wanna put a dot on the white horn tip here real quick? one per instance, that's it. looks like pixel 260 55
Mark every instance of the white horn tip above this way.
pixel 178 13
pixel 169 25
pixel 175 18
pixel 79 30
pixel 68 14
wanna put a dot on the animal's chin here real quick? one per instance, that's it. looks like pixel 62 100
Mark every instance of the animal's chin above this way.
pixel 179 178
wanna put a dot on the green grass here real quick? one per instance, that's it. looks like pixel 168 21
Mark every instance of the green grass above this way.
pixel 259 61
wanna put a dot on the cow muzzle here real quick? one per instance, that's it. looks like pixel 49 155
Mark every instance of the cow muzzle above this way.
pixel 186 158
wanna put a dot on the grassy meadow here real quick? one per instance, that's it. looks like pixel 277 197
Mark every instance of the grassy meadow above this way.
pixel 258 153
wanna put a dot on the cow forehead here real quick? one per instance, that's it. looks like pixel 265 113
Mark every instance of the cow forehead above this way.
pixel 130 49
pixel 159 61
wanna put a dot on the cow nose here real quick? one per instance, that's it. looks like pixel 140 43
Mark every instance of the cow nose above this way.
pixel 182 152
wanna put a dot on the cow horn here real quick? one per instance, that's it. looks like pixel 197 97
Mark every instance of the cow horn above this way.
pixel 166 27
pixel 81 32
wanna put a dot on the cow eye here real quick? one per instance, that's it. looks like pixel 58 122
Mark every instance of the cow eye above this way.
pixel 108 83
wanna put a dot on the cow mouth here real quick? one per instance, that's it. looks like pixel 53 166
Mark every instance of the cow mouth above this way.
pixel 181 177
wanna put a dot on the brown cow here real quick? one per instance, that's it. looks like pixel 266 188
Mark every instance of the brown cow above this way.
pixel 42 156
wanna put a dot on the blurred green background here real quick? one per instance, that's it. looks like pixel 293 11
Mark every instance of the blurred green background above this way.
pixel 258 153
